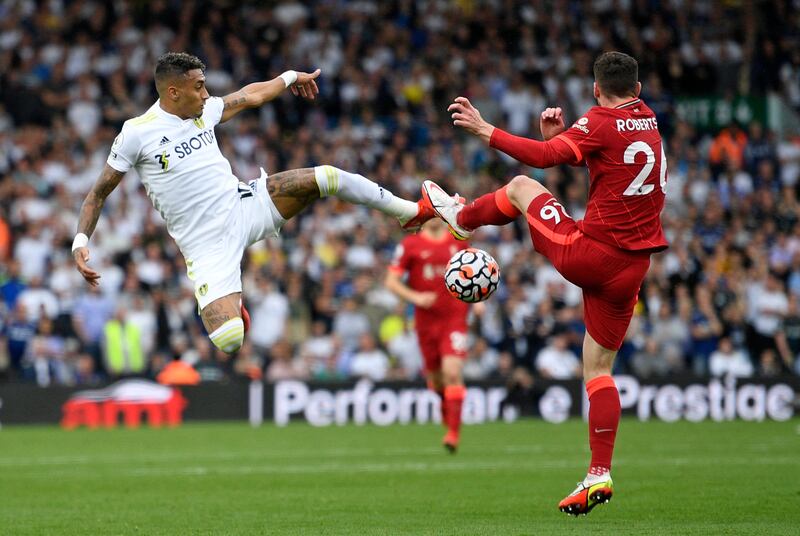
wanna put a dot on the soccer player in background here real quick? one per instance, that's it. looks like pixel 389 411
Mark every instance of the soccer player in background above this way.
pixel 210 213
pixel 607 253
pixel 440 320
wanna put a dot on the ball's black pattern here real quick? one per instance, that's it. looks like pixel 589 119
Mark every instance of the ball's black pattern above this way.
pixel 472 275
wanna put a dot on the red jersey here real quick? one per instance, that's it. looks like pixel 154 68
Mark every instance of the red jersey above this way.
pixel 425 260
pixel 623 151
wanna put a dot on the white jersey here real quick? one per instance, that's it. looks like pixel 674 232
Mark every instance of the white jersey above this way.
pixel 183 171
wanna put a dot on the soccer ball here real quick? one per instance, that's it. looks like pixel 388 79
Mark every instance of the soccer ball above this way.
pixel 472 275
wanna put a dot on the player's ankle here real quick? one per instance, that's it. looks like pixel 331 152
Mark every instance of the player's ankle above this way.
pixel 460 222
pixel 598 470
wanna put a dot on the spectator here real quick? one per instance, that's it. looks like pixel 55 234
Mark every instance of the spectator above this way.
pixel 350 324
pixel 403 348
pixel 247 363
pixel 12 286
pixel 318 349
pixel 768 364
pixel 369 361
pixel 178 372
pixel 85 373
pixel 282 366
pixel 787 339
pixel 39 301
pixel 122 346
pixel 18 332
pixel 556 361
pixel 671 334
pixel 268 318
pixel 89 317
pixel 481 361
pixel 768 306
pixel 706 329
pixel 728 146
pixel 206 366
pixel 726 360
pixel 45 355
pixel 652 361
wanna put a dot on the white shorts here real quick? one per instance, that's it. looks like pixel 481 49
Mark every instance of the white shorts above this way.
pixel 217 271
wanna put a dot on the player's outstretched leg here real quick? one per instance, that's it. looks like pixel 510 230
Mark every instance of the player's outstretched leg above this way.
pixel 604 413
pixel 292 191
pixel 495 208
pixel 358 189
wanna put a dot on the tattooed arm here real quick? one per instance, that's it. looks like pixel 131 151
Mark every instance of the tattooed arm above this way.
pixel 87 220
pixel 256 94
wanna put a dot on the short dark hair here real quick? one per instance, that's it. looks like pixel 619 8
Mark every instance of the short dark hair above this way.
pixel 174 64
pixel 616 74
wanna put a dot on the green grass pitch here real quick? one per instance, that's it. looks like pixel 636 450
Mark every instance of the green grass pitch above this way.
pixel 682 478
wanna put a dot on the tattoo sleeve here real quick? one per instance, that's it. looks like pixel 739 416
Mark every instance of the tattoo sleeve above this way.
pixel 234 99
pixel 295 183
pixel 96 198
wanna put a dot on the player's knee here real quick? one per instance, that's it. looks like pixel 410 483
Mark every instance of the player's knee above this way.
pixel 229 336
pixel 451 372
pixel 452 378
pixel 522 186
pixel 519 183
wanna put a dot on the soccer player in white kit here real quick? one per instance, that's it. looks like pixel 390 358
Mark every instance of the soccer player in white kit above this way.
pixel 211 214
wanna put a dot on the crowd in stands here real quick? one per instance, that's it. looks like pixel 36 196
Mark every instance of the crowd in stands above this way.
pixel 723 299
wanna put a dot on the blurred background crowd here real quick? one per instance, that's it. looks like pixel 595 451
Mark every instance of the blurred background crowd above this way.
pixel 723 299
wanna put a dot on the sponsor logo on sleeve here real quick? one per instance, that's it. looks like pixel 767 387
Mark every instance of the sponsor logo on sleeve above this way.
pixel 581 123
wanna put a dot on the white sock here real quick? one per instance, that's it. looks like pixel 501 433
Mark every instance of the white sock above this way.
pixel 358 189
pixel 229 336
pixel 592 478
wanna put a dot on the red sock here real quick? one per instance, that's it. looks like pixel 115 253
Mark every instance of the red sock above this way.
pixel 491 209
pixel 604 412
pixel 453 400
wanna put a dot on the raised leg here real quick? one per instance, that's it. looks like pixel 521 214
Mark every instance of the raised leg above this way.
pixel 294 190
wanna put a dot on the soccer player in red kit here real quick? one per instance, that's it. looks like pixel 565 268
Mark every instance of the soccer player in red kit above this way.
pixel 607 253
pixel 439 319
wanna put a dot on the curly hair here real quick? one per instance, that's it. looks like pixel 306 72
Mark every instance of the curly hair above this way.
pixel 173 64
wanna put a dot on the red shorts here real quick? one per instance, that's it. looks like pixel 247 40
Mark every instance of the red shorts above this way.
pixel 610 277
pixel 435 342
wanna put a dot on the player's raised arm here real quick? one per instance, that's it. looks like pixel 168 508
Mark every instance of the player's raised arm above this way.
pixel 551 123
pixel 531 152
pixel 87 220
pixel 466 116
pixel 255 94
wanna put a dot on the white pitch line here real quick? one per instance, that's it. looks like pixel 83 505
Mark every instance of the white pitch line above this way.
pixel 389 467
pixel 12 461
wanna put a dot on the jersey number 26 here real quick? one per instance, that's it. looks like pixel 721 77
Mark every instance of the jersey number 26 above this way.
pixel 638 187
